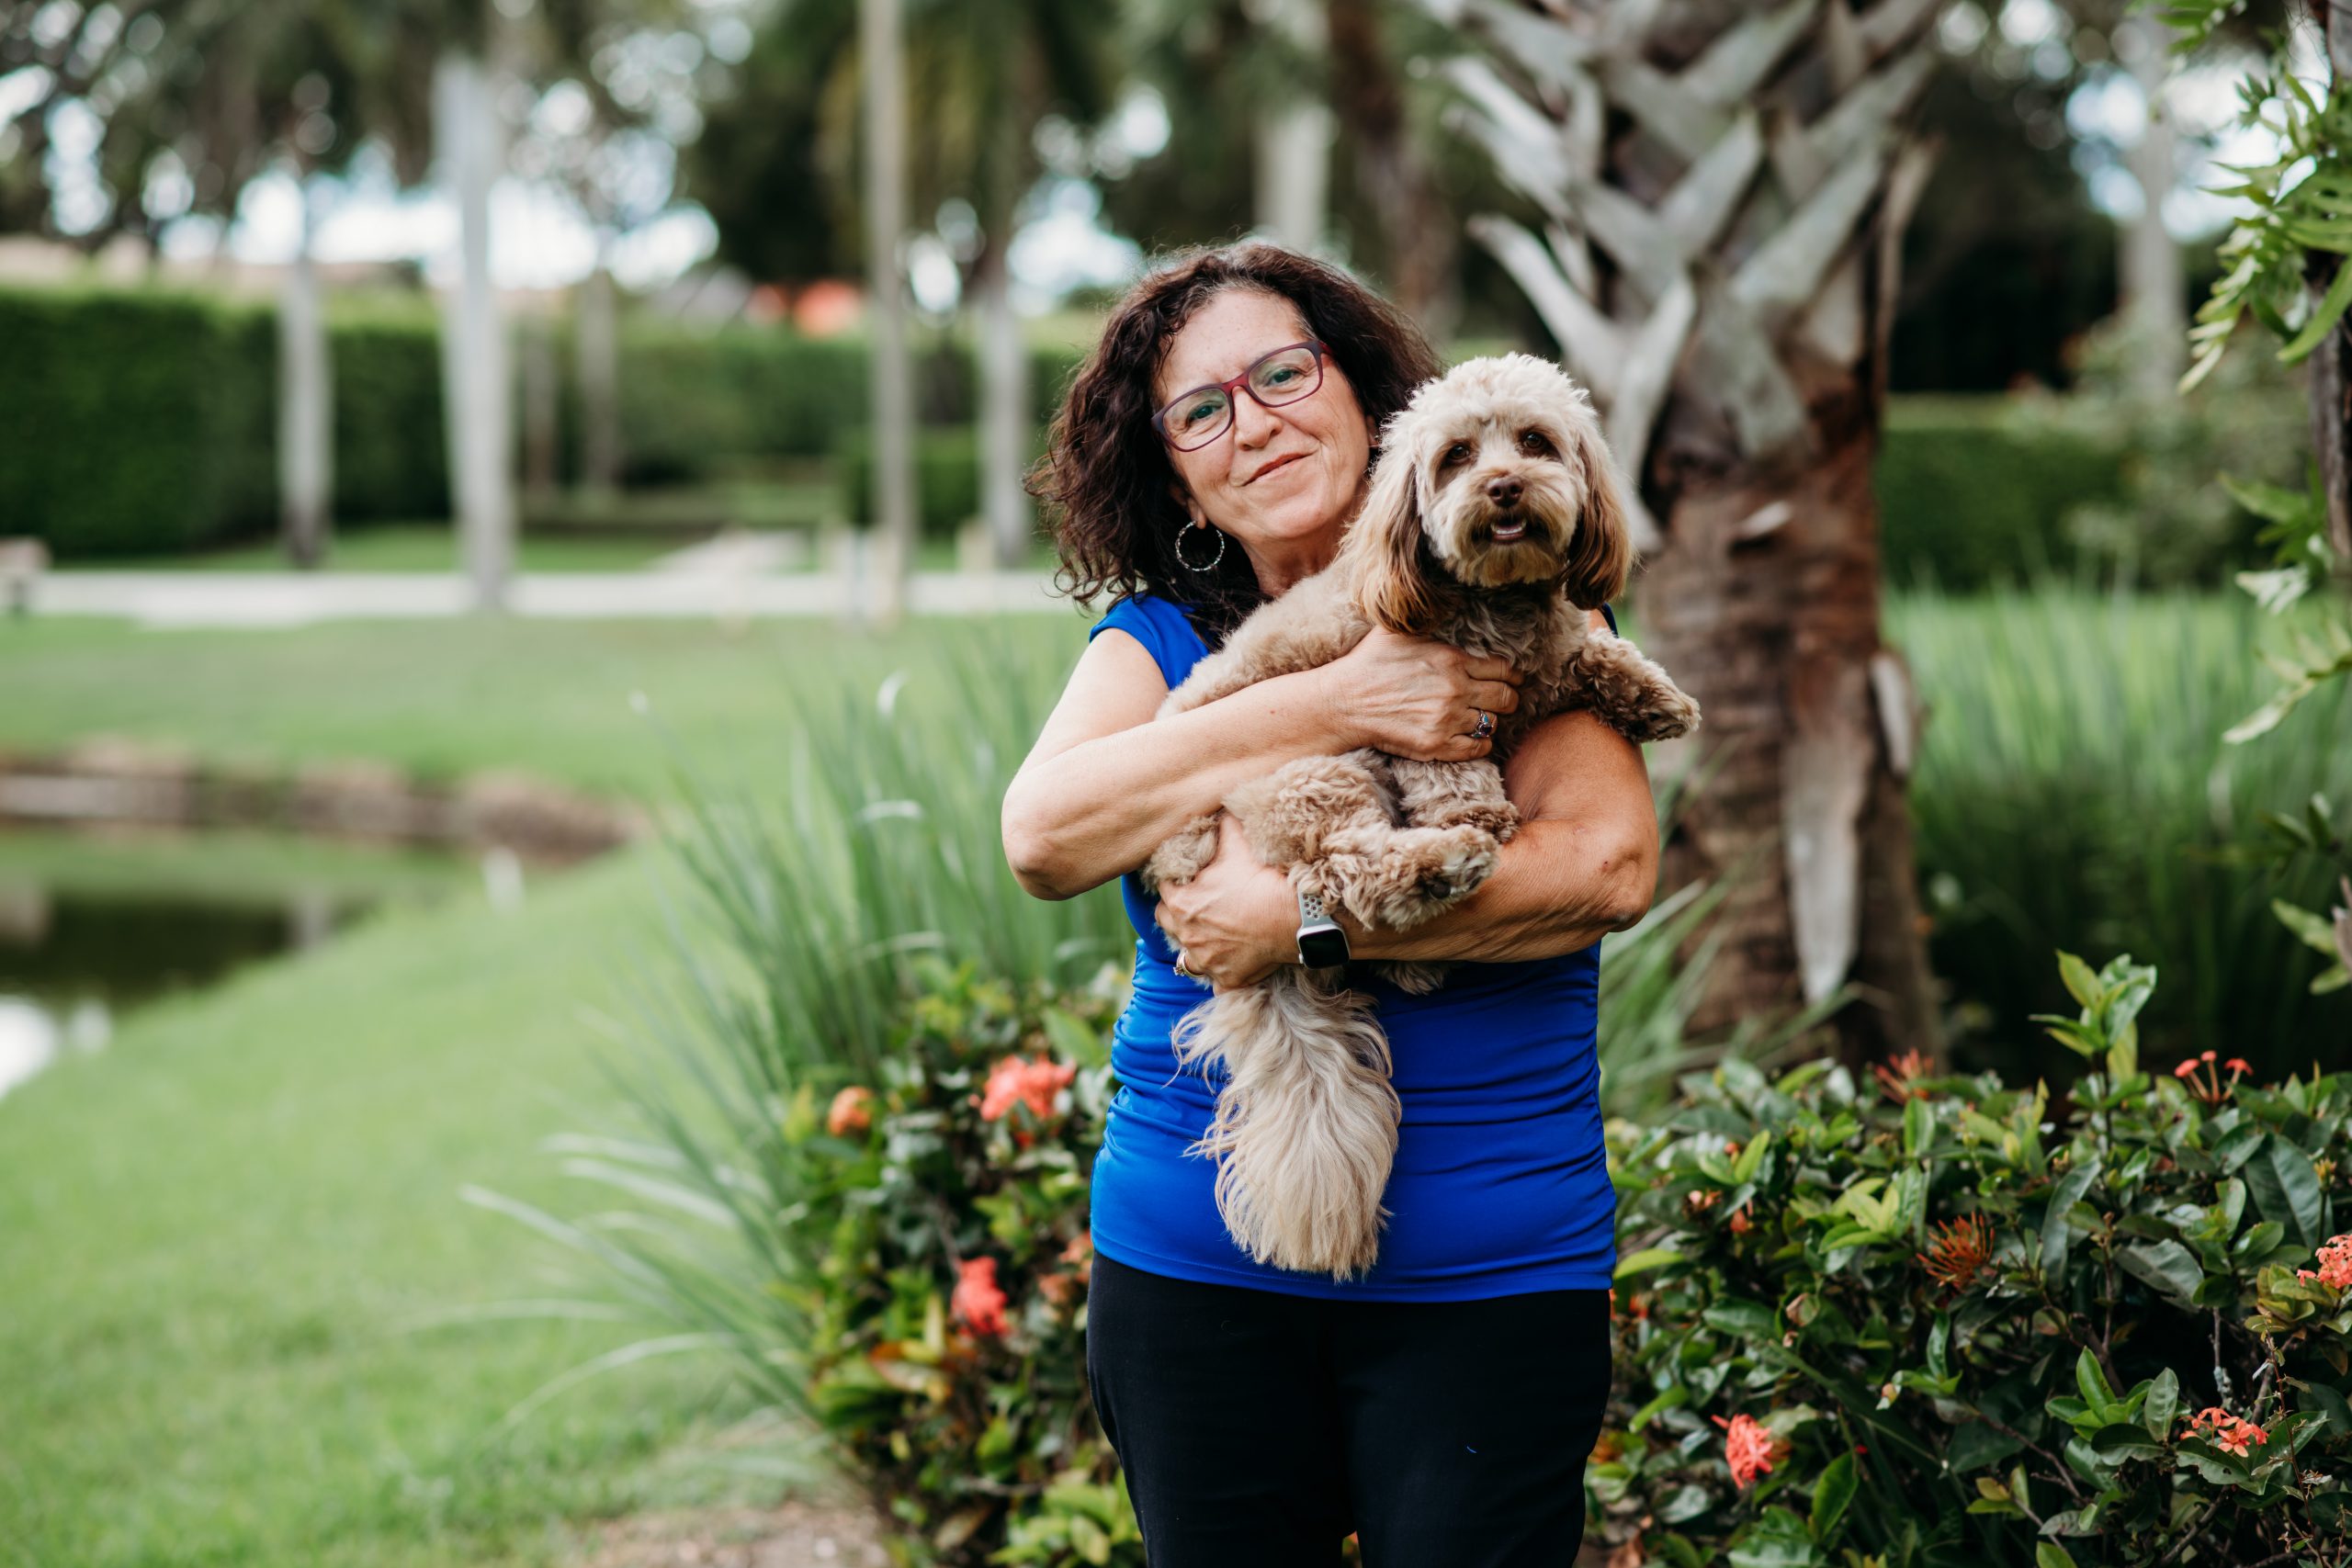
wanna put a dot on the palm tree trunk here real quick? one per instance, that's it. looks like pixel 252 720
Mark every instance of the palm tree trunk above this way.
pixel 305 404
pixel 1421 240
pixel 538 343
pixel 893 530
pixel 2154 285
pixel 473 347
pixel 2330 386
pixel 598 345
pixel 1766 605
pixel 1293 141
pixel 1004 411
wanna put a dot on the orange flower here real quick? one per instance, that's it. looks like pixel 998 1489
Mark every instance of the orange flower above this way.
pixel 1748 1448
pixel 2335 1264
pixel 1897 1077
pixel 978 1303
pixel 1056 1286
pixel 1963 1250
pixel 1032 1083
pixel 1740 1224
pixel 849 1113
pixel 2185 1069
pixel 2229 1433
pixel 1698 1202
pixel 2239 1067
pixel 1081 1251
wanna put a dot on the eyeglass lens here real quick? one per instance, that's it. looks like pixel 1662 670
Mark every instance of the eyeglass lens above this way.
pixel 1282 377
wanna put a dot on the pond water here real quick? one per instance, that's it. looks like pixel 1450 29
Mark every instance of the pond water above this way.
pixel 92 929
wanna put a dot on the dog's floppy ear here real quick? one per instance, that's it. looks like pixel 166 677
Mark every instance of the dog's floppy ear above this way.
pixel 1601 554
pixel 1385 542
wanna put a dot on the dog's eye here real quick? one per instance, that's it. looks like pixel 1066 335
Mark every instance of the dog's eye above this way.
pixel 1457 453
pixel 1535 443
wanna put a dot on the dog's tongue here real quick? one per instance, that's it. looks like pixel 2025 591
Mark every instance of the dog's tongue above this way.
pixel 1509 530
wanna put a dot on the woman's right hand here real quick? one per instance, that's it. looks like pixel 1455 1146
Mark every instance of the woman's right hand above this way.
pixel 1414 696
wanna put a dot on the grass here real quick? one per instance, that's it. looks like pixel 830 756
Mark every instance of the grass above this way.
pixel 227 1238
pixel 448 697
pixel 405 546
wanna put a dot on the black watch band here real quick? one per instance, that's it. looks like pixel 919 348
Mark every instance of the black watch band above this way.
pixel 1321 943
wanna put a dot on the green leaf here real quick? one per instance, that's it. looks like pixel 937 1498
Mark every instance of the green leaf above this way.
pixel 2163 1405
pixel 2081 984
pixel 2119 1441
pixel 2323 319
pixel 1918 1128
pixel 2312 930
pixel 1751 1158
pixel 2171 1267
pixel 1831 1493
pixel 2097 1397
pixel 2050 1554
pixel 2286 1188
pixel 1073 1040
pixel 1641 1262
pixel 2057 1235
pixel 1672 1399
pixel 2331 1404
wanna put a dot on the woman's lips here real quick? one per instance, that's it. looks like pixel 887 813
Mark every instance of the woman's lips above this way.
pixel 1274 468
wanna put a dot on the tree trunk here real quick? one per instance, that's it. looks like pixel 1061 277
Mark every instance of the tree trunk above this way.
pixel 893 526
pixel 2331 387
pixel 2153 284
pixel 1004 411
pixel 1420 237
pixel 598 346
pixel 305 404
pixel 1774 628
pixel 474 378
pixel 539 377
pixel 1293 141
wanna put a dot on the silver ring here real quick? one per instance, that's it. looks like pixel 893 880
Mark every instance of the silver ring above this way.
pixel 1184 966
pixel 1485 731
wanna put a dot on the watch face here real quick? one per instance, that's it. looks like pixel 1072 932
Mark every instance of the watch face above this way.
pixel 1323 948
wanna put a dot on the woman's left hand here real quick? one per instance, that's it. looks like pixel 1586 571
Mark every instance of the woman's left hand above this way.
pixel 1237 920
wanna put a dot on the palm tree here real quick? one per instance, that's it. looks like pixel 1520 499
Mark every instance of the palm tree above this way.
pixel 1723 190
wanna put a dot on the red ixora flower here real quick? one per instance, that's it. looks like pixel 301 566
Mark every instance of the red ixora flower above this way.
pixel 1961 1251
pixel 2335 1264
pixel 977 1304
pixel 1016 1081
pixel 1897 1077
pixel 1748 1447
pixel 2230 1433
pixel 849 1113
pixel 2210 1088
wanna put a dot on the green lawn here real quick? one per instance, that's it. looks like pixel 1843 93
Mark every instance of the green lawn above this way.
pixel 226 1238
pixel 403 547
pixel 447 697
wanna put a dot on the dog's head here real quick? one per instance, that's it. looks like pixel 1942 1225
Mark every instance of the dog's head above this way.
pixel 1498 468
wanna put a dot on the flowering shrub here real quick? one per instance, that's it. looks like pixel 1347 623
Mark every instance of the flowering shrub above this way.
pixel 1915 1320
pixel 964 1408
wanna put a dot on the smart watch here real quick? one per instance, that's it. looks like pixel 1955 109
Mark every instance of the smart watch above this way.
pixel 1321 943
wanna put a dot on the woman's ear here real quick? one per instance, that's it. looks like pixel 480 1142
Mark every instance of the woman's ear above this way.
pixel 1384 546
pixel 1183 498
pixel 1601 554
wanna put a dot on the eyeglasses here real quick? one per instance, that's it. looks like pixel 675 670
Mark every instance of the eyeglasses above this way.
pixel 1203 414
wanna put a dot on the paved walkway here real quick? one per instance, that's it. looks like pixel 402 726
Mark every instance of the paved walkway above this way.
pixel 290 599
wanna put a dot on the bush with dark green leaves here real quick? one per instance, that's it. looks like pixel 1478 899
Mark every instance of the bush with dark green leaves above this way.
pixel 1972 490
pixel 1909 1320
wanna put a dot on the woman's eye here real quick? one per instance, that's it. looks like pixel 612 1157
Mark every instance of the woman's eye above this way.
pixel 1281 374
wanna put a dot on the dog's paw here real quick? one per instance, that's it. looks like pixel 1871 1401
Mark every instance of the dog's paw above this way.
pixel 1430 869
pixel 1415 980
pixel 1663 713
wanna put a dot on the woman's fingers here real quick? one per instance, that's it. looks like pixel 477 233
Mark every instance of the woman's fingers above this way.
pixel 1489 670
pixel 1495 697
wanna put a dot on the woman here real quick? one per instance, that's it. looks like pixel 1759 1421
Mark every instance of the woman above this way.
pixel 1210 455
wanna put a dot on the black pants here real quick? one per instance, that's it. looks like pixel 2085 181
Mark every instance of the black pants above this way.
pixel 1262 1429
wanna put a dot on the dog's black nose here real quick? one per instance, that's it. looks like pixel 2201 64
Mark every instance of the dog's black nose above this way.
pixel 1503 491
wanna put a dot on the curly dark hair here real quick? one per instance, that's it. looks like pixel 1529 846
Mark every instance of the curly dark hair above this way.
pixel 1105 471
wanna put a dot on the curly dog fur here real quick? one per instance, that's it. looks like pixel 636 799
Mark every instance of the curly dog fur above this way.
pixel 1494 522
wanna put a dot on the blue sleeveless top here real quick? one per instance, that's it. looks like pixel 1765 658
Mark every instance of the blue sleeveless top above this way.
pixel 1500 1184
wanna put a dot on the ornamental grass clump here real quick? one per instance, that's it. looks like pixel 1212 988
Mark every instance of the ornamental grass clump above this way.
pixel 1909 1320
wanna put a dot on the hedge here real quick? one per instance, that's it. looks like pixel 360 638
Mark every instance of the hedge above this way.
pixel 142 422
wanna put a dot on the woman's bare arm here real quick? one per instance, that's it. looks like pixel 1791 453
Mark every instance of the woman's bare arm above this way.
pixel 1104 786
pixel 1583 864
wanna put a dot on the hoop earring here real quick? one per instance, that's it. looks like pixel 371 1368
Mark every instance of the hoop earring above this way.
pixel 1205 565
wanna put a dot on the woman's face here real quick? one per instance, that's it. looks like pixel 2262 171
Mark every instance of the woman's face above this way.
pixel 1283 480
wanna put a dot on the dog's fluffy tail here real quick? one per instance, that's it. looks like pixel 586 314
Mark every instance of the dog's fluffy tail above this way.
pixel 1306 1130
